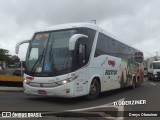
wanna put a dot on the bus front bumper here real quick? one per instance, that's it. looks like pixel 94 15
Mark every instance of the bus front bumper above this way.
pixel 65 90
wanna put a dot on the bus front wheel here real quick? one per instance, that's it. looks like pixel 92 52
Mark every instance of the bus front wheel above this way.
pixel 94 90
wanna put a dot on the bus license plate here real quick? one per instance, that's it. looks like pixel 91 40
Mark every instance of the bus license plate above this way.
pixel 42 92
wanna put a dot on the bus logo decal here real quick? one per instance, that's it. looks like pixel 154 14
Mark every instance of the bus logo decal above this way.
pixel 111 72
pixel 41 84
pixel 111 62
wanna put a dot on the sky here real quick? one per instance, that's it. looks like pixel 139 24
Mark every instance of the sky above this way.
pixel 134 22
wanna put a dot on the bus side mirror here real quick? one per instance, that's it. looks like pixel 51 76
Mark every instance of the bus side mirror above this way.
pixel 73 40
pixel 138 57
pixel 18 45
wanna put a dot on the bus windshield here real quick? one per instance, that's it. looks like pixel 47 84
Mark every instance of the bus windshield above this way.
pixel 156 65
pixel 49 52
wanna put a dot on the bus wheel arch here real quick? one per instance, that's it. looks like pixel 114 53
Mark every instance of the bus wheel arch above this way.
pixel 94 89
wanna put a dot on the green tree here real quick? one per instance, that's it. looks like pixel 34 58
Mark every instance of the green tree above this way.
pixel 4 56
pixel 11 60
pixel 15 59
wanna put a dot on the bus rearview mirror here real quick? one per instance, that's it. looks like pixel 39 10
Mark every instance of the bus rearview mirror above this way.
pixel 18 45
pixel 73 40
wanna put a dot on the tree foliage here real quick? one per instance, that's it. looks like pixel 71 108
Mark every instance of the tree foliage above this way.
pixel 5 56
pixel 14 59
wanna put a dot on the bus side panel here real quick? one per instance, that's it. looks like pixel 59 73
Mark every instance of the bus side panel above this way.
pixel 107 69
pixel 113 72
pixel 81 82
pixel 124 80
pixel 129 69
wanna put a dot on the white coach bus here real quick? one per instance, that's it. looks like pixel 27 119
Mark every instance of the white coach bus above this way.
pixel 78 59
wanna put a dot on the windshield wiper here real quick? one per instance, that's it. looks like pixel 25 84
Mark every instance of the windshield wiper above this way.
pixel 50 54
pixel 39 60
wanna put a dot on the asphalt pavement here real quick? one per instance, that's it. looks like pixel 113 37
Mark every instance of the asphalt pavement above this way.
pixel 80 108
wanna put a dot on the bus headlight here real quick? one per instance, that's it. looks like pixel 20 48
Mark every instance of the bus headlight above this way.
pixel 155 75
pixel 62 82
pixel 26 81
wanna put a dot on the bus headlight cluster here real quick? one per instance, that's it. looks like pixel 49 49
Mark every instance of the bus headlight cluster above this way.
pixel 155 75
pixel 26 81
pixel 62 82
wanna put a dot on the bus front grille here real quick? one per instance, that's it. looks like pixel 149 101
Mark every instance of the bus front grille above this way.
pixel 43 85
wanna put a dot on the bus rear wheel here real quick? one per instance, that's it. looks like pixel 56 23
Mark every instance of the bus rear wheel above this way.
pixel 94 90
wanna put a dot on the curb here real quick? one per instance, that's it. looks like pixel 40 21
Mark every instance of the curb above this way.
pixel 11 89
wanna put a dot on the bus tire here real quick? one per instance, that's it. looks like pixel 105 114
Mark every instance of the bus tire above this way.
pixel 94 90
pixel 133 83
